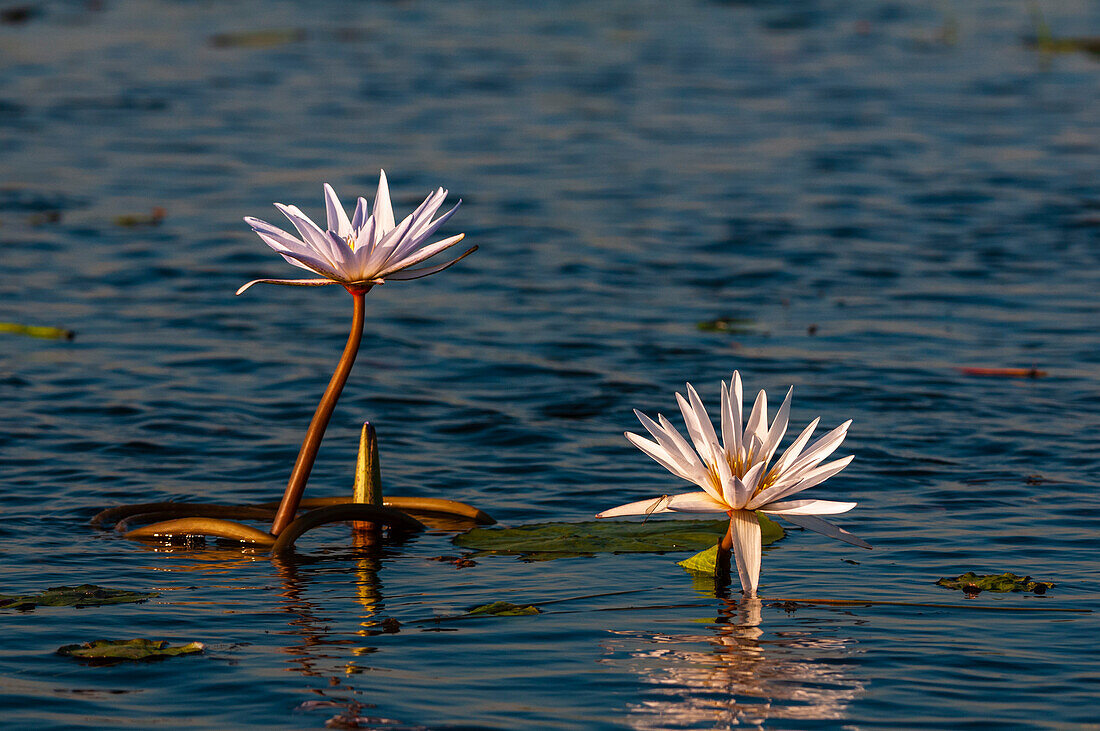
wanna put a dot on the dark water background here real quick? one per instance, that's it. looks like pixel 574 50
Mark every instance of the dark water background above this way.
pixel 887 190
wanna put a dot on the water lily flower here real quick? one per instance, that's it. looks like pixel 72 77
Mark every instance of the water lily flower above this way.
pixel 358 253
pixel 365 250
pixel 737 475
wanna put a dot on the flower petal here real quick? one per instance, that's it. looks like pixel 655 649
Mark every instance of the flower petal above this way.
pixel 642 507
pixel 383 209
pixel 406 274
pixel 795 449
pixel 426 253
pixel 688 464
pixel 658 454
pixel 291 282
pixel 756 429
pixel 707 428
pixel 430 227
pixel 814 477
pixel 778 428
pixel 313 236
pixel 807 507
pixel 821 449
pixel 338 221
pixel 360 216
pixel 737 399
pixel 692 421
pixel 696 502
pixel 825 528
pixel 746 548
pixel 685 449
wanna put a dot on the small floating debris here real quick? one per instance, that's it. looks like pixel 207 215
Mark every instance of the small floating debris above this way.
pixel 258 38
pixel 972 584
pixel 735 325
pixel 84 595
pixel 503 609
pixel 1004 372
pixel 136 220
pixel 109 652
pixel 37 331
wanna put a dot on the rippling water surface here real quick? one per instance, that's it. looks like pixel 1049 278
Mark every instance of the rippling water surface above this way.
pixel 883 191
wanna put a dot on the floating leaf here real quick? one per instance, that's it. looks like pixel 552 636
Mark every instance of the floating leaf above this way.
pixel 547 541
pixel 103 652
pixel 704 562
pixel 736 325
pixel 973 583
pixel 85 595
pixel 503 609
pixel 37 331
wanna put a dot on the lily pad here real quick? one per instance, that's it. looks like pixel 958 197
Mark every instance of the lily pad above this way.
pixel 548 541
pixel 1000 583
pixel 503 609
pixel 85 595
pixel 105 652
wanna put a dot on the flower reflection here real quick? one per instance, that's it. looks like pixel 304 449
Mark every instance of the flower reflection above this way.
pixel 744 678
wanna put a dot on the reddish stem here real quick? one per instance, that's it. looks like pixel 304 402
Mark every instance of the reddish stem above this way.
pixel 299 476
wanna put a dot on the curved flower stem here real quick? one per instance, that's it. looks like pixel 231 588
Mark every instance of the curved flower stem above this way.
pixel 312 442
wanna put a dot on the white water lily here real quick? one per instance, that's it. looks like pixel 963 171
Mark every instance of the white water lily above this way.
pixel 737 475
pixel 365 250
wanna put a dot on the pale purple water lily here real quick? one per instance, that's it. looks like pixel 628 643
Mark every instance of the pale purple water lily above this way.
pixel 737 475
pixel 365 250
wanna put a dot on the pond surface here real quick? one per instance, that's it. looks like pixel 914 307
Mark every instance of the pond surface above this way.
pixel 882 193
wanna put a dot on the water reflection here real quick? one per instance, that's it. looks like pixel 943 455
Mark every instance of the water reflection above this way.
pixel 744 677
pixel 314 630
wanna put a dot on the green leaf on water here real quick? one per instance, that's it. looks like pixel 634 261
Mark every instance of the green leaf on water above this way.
pixel 111 651
pixel 85 595
pixel 704 562
pixel 548 541
pixel 503 609
pixel 1000 583
pixel 37 331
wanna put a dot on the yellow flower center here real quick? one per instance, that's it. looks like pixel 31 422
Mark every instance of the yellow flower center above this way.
pixel 739 466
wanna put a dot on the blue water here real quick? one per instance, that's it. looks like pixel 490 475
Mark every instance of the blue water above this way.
pixel 887 191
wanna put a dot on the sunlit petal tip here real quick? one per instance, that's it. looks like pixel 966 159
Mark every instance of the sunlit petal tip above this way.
pixel 807 507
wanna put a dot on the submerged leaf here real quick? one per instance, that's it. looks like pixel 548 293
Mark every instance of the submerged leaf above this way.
pixel 112 651
pixel 547 541
pixel 503 609
pixel 85 595
pixel 1001 583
